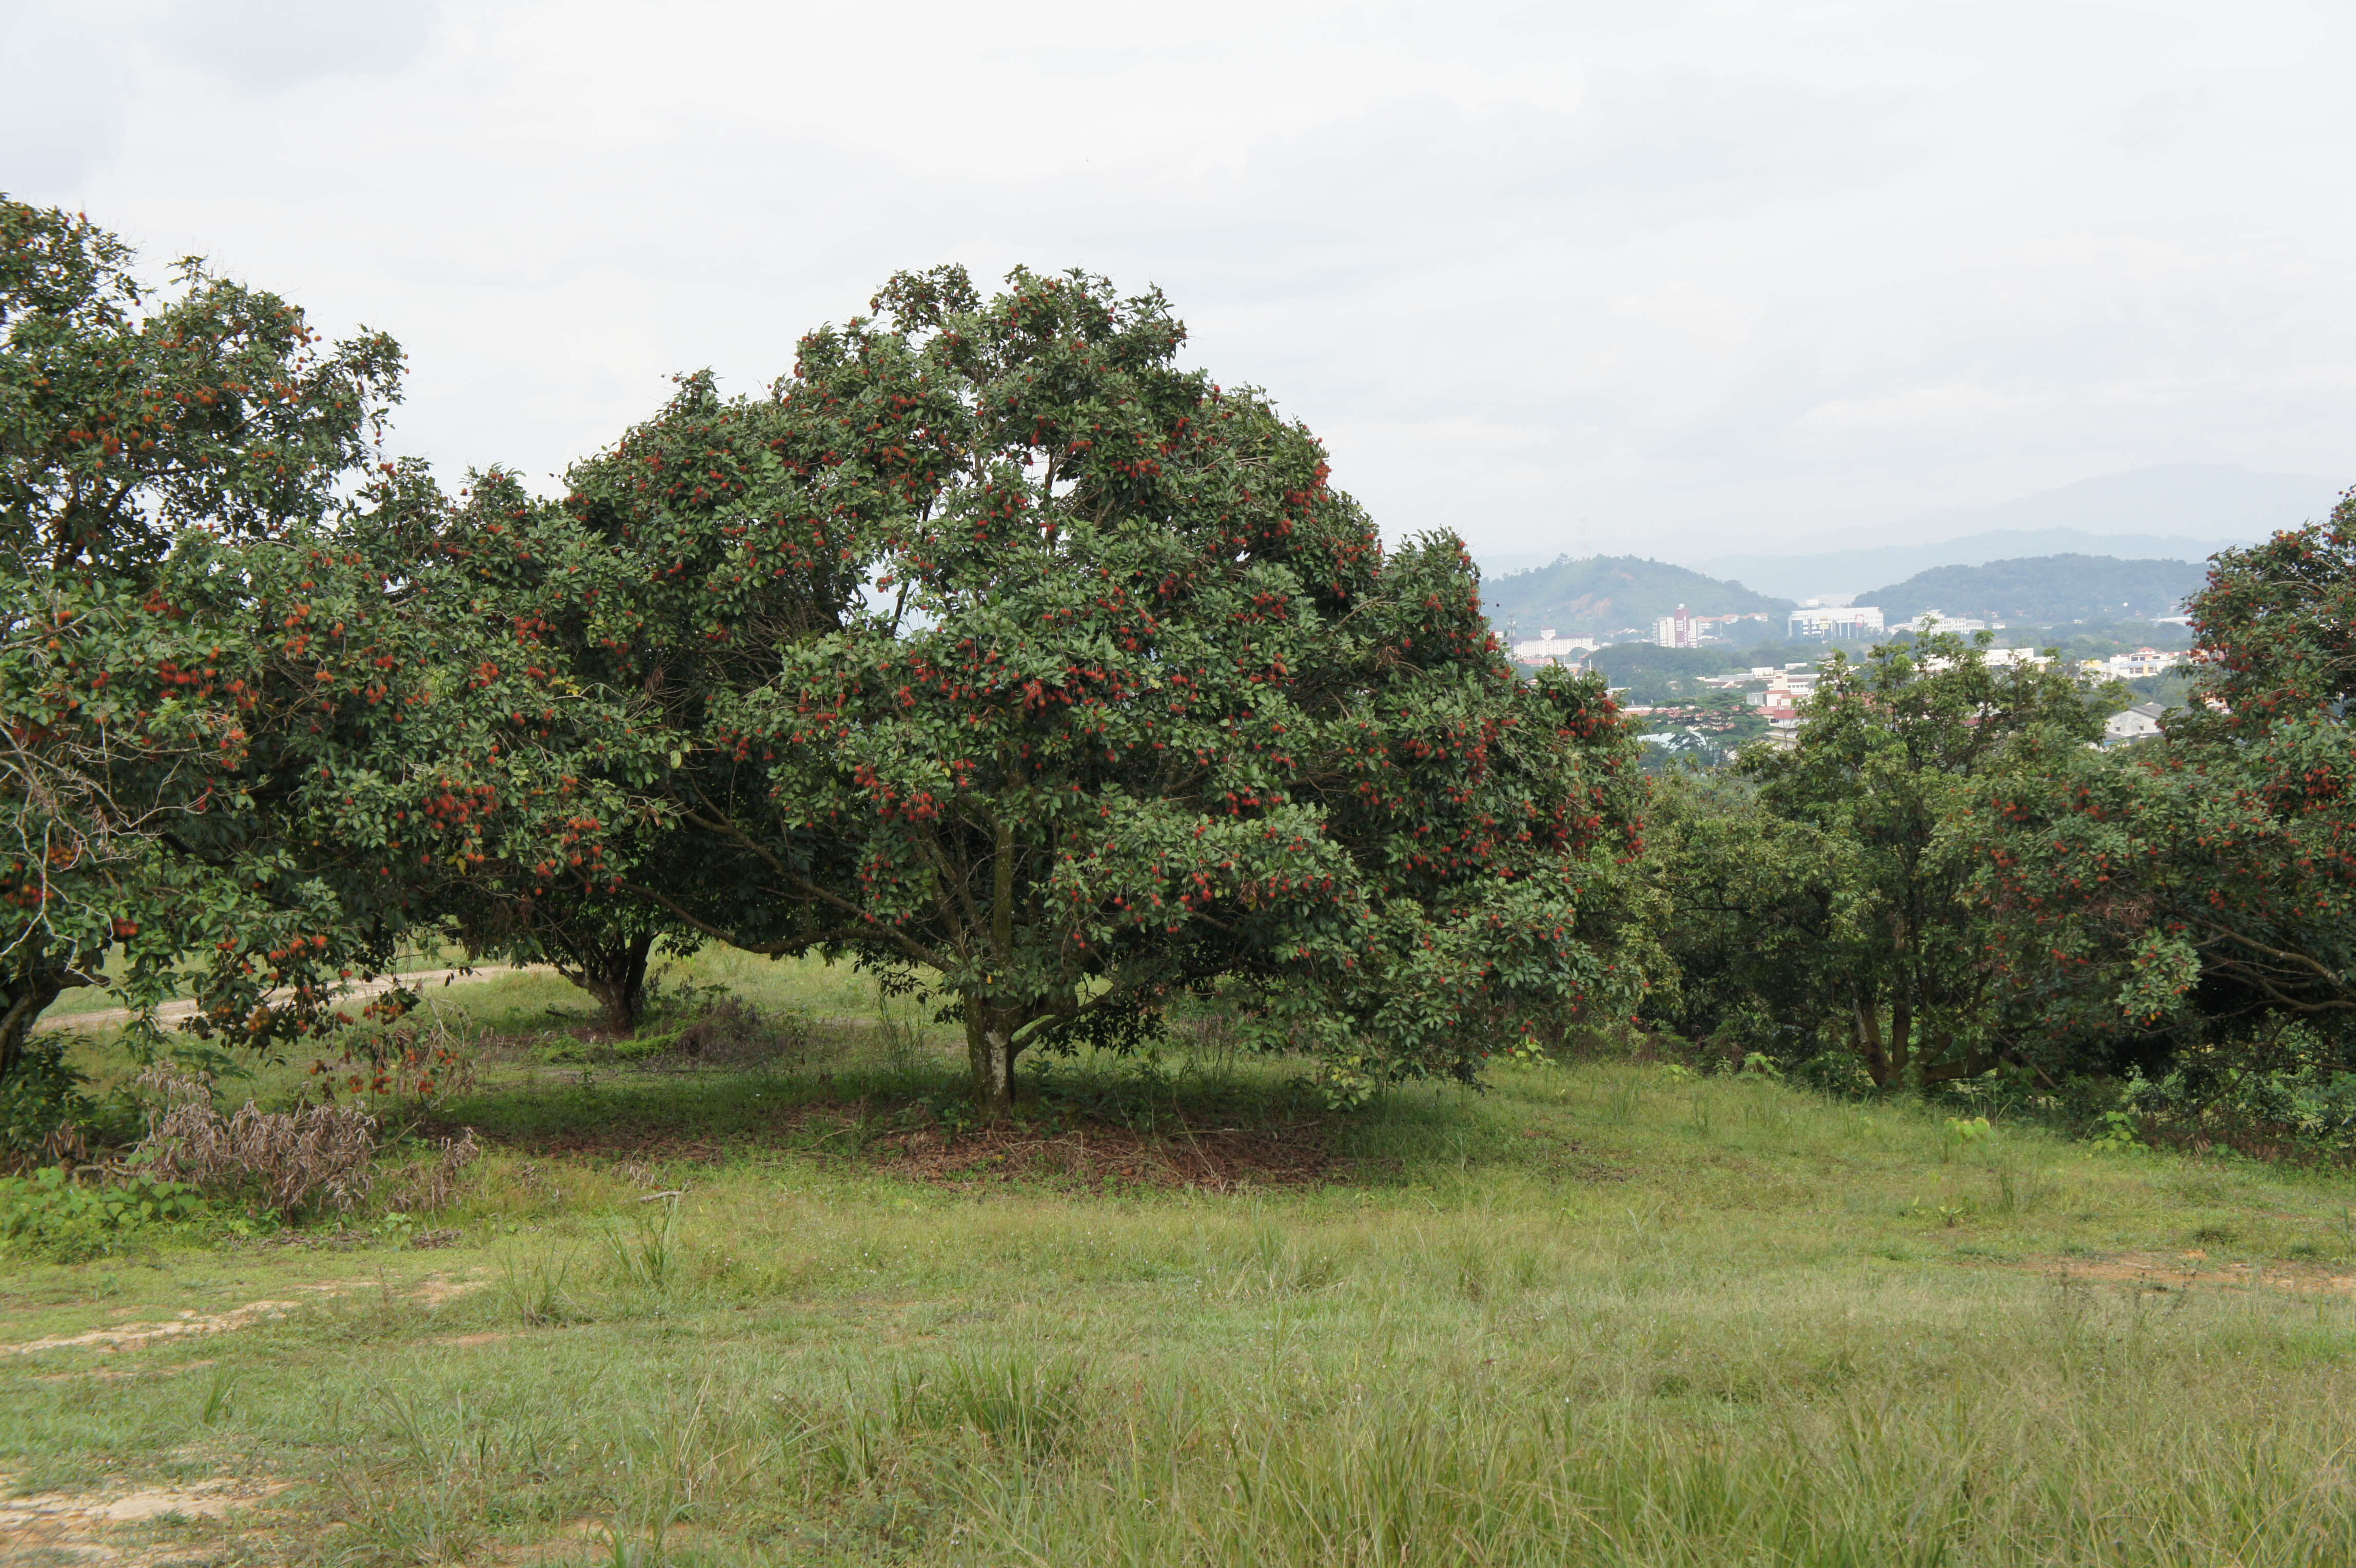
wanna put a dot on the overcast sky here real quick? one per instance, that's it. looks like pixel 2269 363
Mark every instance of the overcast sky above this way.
pixel 1635 276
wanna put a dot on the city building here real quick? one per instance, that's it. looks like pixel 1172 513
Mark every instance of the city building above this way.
pixel 2134 666
pixel 1837 623
pixel 2138 722
pixel 1549 649
pixel 1686 629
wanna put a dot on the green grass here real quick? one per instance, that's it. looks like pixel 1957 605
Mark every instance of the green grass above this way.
pixel 1593 1316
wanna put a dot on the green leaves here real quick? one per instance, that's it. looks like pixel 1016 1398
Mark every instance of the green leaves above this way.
pixel 49 1215
pixel 1833 905
pixel 994 647
pixel 168 668
pixel 126 416
pixel 2198 892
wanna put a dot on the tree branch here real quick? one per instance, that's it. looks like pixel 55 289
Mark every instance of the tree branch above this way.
pixel 870 925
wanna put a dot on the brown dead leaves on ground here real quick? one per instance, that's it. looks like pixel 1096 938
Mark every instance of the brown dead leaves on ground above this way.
pixel 1085 1156
pixel 1219 1159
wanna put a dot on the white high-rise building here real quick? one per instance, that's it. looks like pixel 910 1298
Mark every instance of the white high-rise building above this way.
pixel 1837 623
pixel 1549 649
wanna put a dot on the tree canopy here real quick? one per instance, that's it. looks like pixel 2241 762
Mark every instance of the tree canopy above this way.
pixel 1829 899
pixel 140 436
pixel 994 650
pixel 2199 892
pixel 997 651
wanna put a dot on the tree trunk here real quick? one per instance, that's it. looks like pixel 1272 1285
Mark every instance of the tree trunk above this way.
pixel 990 1049
pixel 989 1031
pixel 1867 1012
pixel 21 1006
pixel 614 973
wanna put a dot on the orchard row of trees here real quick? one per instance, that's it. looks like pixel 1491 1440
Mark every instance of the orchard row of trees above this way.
pixel 994 652
pixel 990 650
pixel 1945 877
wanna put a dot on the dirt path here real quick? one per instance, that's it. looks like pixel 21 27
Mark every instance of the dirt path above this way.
pixel 433 1291
pixel 172 1012
pixel 79 1526
pixel 2180 1271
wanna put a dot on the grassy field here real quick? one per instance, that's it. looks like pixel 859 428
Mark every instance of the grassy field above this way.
pixel 774 1311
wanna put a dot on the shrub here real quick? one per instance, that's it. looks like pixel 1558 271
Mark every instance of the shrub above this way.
pixel 48 1214
pixel 42 1107
pixel 281 1159
pixel 404 1054
pixel 1835 1072
pixel 732 1033
pixel 724 1032
pixel 431 1185
pixel 2304 1107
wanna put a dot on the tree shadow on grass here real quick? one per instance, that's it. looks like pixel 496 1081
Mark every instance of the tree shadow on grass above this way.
pixel 898 1102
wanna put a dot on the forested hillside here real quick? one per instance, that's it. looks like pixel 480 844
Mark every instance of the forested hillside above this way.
pixel 2044 589
pixel 1611 593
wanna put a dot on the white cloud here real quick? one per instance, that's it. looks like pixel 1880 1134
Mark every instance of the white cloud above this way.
pixel 1714 321
pixel 1662 267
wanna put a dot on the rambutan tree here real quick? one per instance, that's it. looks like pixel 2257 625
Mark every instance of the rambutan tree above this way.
pixel 247 688
pixel 139 434
pixel 998 652
pixel 2197 892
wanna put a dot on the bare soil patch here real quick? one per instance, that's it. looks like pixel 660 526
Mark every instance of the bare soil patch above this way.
pixel 84 1526
pixel 433 1291
pixel 1082 1155
pixel 134 1334
pixel 2180 1271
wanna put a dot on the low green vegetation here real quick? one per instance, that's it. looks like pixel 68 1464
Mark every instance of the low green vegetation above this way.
pixel 2044 589
pixel 1599 595
pixel 1608 1310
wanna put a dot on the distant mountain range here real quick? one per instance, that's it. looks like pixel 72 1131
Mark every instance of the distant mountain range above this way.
pixel 1611 593
pixel 1856 571
pixel 2043 590
pixel 2177 511
pixel 1619 592
pixel 2131 544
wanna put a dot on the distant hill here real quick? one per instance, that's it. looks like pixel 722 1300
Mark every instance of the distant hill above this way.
pixel 1854 571
pixel 2179 511
pixel 1609 592
pixel 2044 589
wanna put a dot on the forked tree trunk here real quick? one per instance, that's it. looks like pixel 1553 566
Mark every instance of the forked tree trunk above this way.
pixel 614 973
pixel 1865 1028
